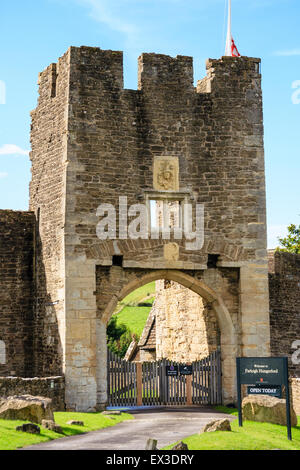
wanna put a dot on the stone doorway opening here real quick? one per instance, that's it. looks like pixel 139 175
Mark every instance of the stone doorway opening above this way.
pixel 163 320
pixel 163 348
pixel 179 335
pixel 131 330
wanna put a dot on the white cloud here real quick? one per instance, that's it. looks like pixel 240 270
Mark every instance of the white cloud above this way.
pixel 101 11
pixel 12 149
pixel 140 20
pixel 3 174
pixel 288 52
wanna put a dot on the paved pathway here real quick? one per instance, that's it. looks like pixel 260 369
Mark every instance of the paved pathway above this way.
pixel 167 425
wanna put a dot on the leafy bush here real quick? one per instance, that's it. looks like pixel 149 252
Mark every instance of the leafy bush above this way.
pixel 119 337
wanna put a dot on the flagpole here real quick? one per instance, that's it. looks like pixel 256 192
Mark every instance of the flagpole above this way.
pixel 229 35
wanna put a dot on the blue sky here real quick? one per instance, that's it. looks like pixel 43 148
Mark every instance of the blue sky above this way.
pixel 35 33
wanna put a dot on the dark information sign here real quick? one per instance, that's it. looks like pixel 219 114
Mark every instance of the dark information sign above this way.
pixel 262 370
pixel 273 391
pixel 172 371
pixel 185 369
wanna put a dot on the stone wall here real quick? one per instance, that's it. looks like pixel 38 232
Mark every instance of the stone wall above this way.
pixel 47 199
pixel 50 387
pixel 16 292
pixel 186 327
pixel 116 135
pixel 284 285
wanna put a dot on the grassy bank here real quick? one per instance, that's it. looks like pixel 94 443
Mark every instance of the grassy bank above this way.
pixel 252 436
pixel 10 439
pixel 134 318
pixel 133 315
pixel 139 294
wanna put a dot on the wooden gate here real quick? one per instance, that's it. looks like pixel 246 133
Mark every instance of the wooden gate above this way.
pixel 147 383
pixel 121 381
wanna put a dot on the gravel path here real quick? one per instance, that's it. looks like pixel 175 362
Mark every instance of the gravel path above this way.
pixel 167 425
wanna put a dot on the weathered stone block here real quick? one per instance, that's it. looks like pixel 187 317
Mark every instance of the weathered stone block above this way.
pixel 180 446
pixel 217 425
pixel 266 409
pixel 29 427
pixel 26 408
pixel 52 426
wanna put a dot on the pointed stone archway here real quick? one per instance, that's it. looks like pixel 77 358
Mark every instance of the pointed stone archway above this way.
pixel 229 342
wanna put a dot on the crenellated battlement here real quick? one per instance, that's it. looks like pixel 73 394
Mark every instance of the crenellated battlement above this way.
pixel 157 73
pixel 231 65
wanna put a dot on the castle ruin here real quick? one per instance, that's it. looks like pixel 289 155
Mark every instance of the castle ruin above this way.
pixel 168 141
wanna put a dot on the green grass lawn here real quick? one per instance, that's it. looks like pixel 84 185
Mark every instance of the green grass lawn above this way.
pixel 133 315
pixel 139 294
pixel 10 439
pixel 252 436
pixel 134 318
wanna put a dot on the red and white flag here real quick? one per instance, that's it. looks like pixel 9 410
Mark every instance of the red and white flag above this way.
pixel 234 51
pixel 231 49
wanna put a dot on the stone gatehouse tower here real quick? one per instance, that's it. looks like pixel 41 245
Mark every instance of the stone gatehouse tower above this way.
pixel 169 142
pixel 94 141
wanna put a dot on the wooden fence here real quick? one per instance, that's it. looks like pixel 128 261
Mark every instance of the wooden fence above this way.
pixel 147 383
pixel 121 381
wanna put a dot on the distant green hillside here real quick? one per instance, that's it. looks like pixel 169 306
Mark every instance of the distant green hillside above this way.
pixel 139 294
pixel 134 317
pixel 130 318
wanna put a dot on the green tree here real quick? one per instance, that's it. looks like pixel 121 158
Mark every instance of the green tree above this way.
pixel 115 331
pixel 291 243
pixel 119 337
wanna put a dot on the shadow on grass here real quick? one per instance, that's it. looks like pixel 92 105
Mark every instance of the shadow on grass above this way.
pixel 234 412
pixel 226 410
pixel 72 431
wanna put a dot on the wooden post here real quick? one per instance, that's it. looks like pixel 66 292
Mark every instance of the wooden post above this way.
pixel 151 444
pixel 139 384
pixel 189 394
pixel 287 398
